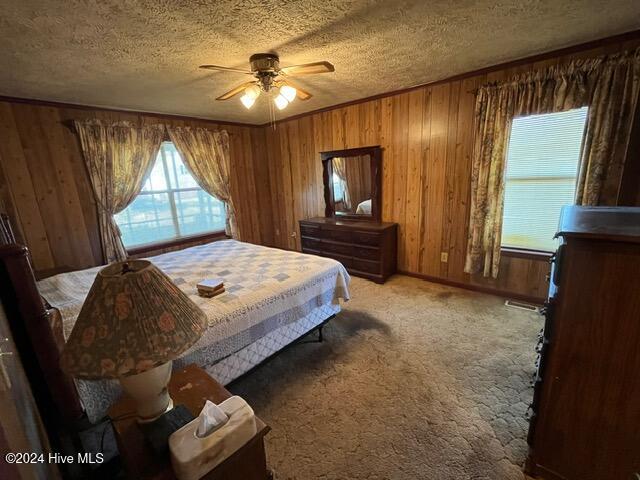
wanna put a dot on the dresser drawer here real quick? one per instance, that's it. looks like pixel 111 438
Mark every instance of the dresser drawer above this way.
pixel 367 238
pixel 344 260
pixel 366 266
pixel 309 230
pixel 339 248
pixel 366 253
pixel 310 243
pixel 338 235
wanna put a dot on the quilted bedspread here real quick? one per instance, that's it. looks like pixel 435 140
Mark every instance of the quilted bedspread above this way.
pixel 265 288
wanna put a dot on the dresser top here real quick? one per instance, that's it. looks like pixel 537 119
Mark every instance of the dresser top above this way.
pixel 359 224
pixel 607 223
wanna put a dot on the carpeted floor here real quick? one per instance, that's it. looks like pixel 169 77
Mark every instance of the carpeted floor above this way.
pixel 413 381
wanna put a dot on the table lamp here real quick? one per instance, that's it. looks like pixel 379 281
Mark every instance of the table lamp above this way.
pixel 133 323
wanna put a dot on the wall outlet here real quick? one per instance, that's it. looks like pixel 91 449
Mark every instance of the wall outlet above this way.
pixel 444 257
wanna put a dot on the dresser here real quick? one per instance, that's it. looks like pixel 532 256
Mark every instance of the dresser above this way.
pixel 585 415
pixel 366 249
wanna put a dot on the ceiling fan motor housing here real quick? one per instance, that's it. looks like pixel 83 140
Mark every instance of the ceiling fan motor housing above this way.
pixel 264 62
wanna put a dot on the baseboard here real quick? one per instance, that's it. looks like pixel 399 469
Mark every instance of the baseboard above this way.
pixel 476 288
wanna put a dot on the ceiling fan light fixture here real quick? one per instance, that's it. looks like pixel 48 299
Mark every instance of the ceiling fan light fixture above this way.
pixel 247 101
pixel 281 102
pixel 252 92
pixel 288 92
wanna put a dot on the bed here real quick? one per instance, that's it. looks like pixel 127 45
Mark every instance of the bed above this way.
pixel 364 208
pixel 272 298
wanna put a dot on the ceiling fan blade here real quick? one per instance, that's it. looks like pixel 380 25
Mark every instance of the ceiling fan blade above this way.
pixel 308 69
pixel 302 94
pixel 225 69
pixel 232 93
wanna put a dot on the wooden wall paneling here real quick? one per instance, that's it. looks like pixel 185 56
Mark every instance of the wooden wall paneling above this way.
pixel 50 199
pixel 424 162
pixel 367 123
pixel 435 178
pixel 249 181
pixel 414 188
pixel 263 186
pixel 297 186
pixel 450 181
pixel 289 201
pixel 63 181
pixel 400 115
pixel 339 141
pixel 386 142
pixel 278 208
pixel 236 170
pixel 311 168
pixel 25 209
pixel 319 145
pixel 352 127
pixel 299 176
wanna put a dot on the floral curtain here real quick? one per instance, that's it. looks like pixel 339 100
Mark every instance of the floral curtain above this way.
pixel 340 169
pixel 118 158
pixel 206 155
pixel 608 85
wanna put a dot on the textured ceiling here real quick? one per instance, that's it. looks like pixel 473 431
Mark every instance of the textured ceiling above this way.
pixel 143 55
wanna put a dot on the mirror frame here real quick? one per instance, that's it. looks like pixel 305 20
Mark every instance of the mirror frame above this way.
pixel 375 154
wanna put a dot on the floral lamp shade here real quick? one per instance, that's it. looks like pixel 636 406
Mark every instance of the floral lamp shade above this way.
pixel 133 319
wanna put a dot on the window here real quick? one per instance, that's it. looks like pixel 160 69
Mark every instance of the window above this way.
pixel 338 191
pixel 171 205
pixel 540 177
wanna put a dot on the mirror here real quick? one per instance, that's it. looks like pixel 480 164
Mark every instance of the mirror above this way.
pixel 352 183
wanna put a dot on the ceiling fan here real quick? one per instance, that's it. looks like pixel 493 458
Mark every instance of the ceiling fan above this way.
pixel 270 79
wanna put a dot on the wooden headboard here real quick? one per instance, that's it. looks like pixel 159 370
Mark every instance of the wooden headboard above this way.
pixel 35 332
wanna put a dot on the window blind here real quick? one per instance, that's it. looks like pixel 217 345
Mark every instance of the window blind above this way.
pixel 540 176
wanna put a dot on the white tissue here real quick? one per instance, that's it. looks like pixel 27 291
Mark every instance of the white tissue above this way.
pixel 210 419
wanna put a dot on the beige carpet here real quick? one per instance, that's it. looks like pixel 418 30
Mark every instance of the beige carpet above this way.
pixel 414 381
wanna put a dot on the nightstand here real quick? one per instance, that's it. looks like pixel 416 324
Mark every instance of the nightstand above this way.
pixel 190 387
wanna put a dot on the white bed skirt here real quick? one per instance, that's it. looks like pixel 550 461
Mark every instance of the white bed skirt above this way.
pixel 228 369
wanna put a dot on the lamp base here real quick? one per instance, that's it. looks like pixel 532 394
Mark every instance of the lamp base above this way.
pixel 149 390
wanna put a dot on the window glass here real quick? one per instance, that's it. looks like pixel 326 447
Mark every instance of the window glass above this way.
pixel 170 205
pixel 540 176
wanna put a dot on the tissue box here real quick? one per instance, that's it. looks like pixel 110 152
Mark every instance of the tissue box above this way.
pixel 193 457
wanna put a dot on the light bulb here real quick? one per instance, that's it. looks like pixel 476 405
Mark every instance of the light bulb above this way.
pixel 247 101
pixel 281 102
pixel 253 91
pixel 288 92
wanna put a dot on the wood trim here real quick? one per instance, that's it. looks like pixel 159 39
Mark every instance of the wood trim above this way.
pixel 623 37
pixel 526 253
pixel 177 242
pixel 77 106
pixel 476 288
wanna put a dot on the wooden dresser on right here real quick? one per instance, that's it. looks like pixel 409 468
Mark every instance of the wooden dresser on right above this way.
pixel 585 415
